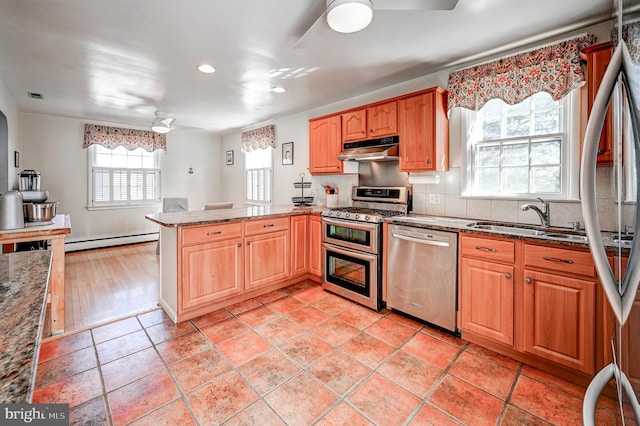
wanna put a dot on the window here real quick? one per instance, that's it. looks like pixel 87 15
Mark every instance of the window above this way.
pixel 258 175
pixel 530 149
pixel 120 177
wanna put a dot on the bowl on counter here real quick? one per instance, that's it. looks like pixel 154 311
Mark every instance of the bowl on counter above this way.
pixel 39 212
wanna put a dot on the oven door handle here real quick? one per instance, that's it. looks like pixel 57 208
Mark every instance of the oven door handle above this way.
pixel 351 224
pixel 421 240
pixel 347 252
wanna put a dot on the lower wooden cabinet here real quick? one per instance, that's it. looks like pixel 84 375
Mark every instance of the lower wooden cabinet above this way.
pixel 299 245
pixel 559 319
pixel 211 271
pixel 315 245
pixel 533 301
pixel 486 290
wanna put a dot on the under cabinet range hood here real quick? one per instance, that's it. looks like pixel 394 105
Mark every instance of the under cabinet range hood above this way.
pixel 381 149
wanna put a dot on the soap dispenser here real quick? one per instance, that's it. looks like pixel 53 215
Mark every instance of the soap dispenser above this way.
pixel 11 213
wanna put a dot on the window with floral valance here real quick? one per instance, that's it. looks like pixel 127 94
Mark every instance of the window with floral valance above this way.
pixel 112 137
pixel 555 69
pixel 260 138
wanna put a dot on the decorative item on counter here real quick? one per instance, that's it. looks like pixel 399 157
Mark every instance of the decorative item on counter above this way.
pixel 302 200
pixel 332 195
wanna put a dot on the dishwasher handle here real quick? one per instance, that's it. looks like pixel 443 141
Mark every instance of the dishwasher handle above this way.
pixel 430 242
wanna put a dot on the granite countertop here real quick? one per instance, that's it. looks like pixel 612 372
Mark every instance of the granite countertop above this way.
pixel 203 217
pixel 24 278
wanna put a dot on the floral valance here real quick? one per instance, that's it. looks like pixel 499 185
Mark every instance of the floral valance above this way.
pixel 112 137
pixel 260 138
pixel 554 69
pixel 631 35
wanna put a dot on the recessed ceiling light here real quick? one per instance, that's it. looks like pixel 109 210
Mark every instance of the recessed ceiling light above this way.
pixel 206 68
pixel 278 89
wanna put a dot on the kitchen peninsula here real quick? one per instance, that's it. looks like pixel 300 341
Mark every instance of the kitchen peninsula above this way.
pixel 213 258
pixel 56 233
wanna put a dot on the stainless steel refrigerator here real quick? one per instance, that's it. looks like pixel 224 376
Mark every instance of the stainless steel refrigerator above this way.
pixel 617 257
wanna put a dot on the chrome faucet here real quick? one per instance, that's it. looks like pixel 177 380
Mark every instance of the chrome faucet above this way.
pixel 543 213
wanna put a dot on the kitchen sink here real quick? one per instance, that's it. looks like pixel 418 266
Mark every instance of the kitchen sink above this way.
pixel 567 237
pixel 529 231
pixel 507 229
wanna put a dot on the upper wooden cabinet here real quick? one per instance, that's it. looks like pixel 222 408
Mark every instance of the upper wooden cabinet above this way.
pixel 325 143
pixel 598 58
pixel 372 122
pixel 424 132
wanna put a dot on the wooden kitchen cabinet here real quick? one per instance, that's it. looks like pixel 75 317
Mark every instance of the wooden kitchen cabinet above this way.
pixel 598 58
pixel 211 263
pixel 211 271
pixel 487 288
pixel 299 245
pixel 325 143
pixel 559 306
pixel 315 245
pixel 375 121
pixel 267 252
pixel 423 128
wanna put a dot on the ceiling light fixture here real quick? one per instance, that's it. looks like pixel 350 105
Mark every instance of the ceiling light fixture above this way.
pixel 162 123
pixel 349 16
pixel 159 127
pixel 278 89
pixel 206 68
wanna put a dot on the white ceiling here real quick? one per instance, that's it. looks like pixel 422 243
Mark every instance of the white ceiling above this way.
pixel 120 60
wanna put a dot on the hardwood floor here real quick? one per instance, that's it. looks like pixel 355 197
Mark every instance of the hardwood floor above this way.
pixel 110 283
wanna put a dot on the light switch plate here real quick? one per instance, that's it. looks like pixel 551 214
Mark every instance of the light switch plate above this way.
pixel 434 198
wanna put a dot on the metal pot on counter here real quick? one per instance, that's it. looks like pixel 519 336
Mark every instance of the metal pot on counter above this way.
pixel 29 180
pixel 39 212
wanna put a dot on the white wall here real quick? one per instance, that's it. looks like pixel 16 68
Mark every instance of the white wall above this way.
pixel 53 146
pixel 10 110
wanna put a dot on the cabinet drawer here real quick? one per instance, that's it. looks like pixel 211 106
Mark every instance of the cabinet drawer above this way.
pixel 558 259
pixel 487 249
pixel 262 226
pixel 210 233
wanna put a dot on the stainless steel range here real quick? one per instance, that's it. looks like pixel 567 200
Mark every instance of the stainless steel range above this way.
pixel 352 242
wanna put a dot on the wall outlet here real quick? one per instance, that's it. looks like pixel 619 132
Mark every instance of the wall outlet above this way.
pixel 434 198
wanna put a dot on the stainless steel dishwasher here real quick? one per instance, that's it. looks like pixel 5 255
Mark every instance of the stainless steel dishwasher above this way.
pixel 422 274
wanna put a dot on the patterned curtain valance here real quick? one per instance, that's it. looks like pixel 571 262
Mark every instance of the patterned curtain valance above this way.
pixel 631 35
pixel 260 138
pixel 112 137
pixel 554 69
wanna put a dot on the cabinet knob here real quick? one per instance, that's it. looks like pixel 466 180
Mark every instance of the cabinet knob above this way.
pixel 248 243
pixel 428 160
pixel 507 275
pixel 528 280
pixel 362 131
pixel 370 130
pixel 239 245
pixel 600 151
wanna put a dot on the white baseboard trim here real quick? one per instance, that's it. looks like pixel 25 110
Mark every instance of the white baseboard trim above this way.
pixel 109 241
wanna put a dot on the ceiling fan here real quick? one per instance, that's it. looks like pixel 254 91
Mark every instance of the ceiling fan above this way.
pixel 348 16
pixel 164 123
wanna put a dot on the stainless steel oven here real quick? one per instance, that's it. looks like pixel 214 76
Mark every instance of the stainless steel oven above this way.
pixel 351 264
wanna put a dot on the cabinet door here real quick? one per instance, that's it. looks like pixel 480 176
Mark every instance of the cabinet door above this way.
pixel 299 244
pixel 354 125
pixel 267 259
pixel 424 132
pixel 598 58
pixel 559 320
pixel 211 271
pixel 486 297
pixel 325 143
pixel 315 245
pixel 382 120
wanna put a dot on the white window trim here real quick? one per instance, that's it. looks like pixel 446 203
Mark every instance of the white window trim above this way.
pixel 258 202
pixel 570 156
pixel 92 205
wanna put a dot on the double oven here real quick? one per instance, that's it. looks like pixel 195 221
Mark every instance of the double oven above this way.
pixel 352 243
